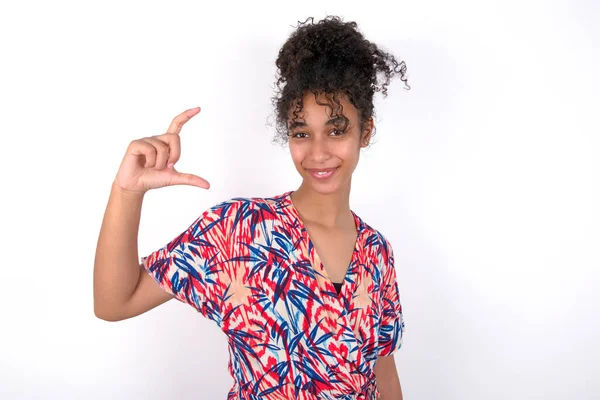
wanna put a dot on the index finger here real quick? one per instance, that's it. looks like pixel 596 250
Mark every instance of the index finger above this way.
pixel 181 119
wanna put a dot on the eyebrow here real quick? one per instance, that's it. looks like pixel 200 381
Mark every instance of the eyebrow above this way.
pixel 297 124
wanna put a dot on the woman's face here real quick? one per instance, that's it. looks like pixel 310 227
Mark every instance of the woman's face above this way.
pixel 326 156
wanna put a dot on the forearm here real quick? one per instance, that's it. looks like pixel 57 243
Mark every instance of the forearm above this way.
pixel 390 390
pixel 116 265
pixel 387 379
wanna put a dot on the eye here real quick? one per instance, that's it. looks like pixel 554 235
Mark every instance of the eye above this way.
pixel 298 135
pixel 338 132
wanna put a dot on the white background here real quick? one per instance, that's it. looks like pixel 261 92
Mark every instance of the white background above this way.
pixel 484 177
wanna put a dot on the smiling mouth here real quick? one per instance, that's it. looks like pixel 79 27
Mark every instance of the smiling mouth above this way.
pixel 322 173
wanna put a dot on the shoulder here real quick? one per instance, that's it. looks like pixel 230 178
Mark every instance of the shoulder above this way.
pixel 240 211
pixel 249 203
pixel 382 255
pixel 241 202
pixel 379 244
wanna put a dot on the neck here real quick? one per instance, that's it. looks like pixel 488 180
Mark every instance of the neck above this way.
pixel 329 210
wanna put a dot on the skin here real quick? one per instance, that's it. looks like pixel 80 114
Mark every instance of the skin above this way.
pixel 322 145
pixel 325 205
pixel 123 290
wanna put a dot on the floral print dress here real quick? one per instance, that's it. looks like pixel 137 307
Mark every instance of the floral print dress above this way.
pixel 248 265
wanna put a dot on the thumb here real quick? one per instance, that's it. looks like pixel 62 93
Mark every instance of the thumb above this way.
pixel 190 180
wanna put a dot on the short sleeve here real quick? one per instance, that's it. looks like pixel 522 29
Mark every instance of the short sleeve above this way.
pixel 190 266
pixel 391 326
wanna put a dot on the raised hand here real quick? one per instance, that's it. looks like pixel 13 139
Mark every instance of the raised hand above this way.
pixel 149 163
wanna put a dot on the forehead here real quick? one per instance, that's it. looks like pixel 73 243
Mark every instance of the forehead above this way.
pixel 322 108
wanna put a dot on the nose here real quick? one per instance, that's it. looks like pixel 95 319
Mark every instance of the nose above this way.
pixel 319 149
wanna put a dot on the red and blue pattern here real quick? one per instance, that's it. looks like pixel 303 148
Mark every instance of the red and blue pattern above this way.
pixel 249 265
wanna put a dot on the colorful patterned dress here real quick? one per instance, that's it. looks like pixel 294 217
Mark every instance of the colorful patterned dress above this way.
pixel 249 265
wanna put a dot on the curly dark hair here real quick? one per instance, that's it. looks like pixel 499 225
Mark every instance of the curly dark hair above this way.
pixel 331 58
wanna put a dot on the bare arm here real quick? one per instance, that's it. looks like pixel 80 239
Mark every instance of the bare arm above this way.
pixel 116 269
pixel 388 382
pixel 122 288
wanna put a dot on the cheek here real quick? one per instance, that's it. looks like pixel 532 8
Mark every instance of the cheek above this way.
pixel 297 154
pixel 349 152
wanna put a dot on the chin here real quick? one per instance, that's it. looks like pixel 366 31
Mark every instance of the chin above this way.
pixel 325 191
pixel 324 188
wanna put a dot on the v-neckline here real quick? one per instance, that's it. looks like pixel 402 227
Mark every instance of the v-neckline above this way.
pixel 316 259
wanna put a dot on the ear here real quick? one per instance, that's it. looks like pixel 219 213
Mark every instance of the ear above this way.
pixel 365 137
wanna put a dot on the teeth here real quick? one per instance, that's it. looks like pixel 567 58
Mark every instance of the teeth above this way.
pixel 323 173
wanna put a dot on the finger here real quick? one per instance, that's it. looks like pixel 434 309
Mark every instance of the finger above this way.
pixel 162 152
pixel 190 180
pixel 141 148
pixel 174 142
pixel 181 119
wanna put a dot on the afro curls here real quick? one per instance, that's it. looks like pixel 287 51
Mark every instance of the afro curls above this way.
pixel 333 58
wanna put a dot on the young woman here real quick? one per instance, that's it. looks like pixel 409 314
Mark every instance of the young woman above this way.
pixel 304 289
